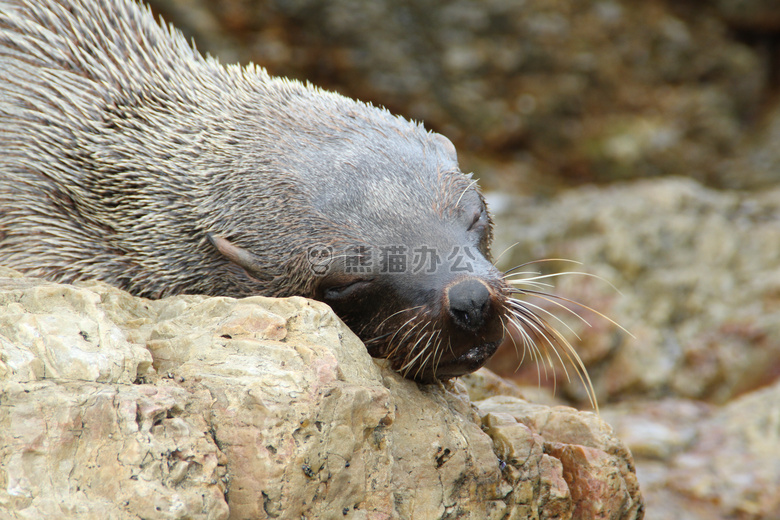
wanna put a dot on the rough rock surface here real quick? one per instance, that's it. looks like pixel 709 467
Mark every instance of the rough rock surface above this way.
pixel 700 462
pixel 697 269
pixel 213 408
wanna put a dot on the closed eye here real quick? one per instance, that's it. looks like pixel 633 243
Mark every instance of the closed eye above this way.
pixel 480 220
pixel 343 291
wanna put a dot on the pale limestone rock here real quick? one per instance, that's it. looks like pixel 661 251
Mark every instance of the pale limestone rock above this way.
pixel 214 408
pixel 51 331
pixel 91 450
pixel 484 383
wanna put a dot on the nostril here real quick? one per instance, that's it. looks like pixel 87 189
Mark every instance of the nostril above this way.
pixel 460 316
pixel 469 303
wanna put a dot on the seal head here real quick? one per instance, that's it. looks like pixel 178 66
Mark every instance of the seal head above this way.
pixel 136 161
pixel 406 265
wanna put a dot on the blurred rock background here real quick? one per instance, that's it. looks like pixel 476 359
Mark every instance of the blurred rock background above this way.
pixel 641 139
pixel 536 93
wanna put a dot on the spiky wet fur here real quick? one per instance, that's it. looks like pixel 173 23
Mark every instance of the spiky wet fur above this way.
pixel 122 146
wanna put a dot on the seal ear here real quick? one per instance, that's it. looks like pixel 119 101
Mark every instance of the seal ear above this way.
pixel 241 257
pixel 447 145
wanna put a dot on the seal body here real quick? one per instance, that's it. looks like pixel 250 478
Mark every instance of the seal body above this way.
pixel 126 156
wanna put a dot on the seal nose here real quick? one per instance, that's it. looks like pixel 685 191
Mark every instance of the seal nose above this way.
pixel 469 303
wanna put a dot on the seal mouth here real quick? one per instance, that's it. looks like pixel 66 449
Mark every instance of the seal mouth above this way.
pixel 445 332
pixel 427 346
pixel 467 363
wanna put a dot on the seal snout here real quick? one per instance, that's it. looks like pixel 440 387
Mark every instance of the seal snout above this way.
pixel 469 302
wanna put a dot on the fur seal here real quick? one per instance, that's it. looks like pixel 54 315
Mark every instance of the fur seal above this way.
pixel 128 157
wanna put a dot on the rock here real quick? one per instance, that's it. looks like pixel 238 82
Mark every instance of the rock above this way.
pixel 484 383
pixel 73 449
pixel 596 467
pixel 735 461
pixel 699 462
pixel 216 408
pixel 697 269
pixel 756 15
pixel 55 332
pixel 758 164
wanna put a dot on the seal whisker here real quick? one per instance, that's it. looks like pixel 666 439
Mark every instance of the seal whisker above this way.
pixel 377 339
pixel 514 302
pixel 544 295
pixel 540 333
pixel 574 358
pixel 437 348
pixel 508 333
pixel 556 341
pixel 432 346
pixel 466 189
pixel 527 314
pixel 530 320
pixel 415 331
pixel 531 283
pixel 506 250
pixel 408 309
pixel 410 362
pixel 402 328
pixel 539 261
pixel 529 346
pixel 563 273
pixel 430 355
pixel 507 275
pixel 411 329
